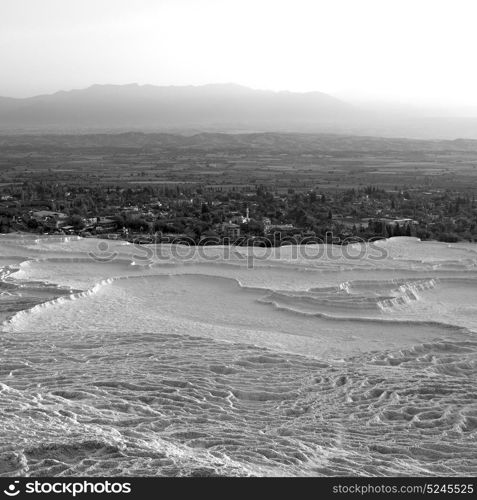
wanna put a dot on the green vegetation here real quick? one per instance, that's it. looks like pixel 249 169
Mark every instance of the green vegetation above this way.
pixel 366 213
pixel 298 185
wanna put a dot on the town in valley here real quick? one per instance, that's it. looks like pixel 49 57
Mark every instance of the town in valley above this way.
pixel 239 188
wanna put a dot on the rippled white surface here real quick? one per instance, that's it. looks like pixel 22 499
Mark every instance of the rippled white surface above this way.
pixel 185 364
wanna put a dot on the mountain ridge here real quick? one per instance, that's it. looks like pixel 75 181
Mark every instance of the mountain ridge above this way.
pixel 149 107
pixel 228 108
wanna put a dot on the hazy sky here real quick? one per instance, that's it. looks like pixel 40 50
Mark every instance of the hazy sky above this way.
pixel 412 51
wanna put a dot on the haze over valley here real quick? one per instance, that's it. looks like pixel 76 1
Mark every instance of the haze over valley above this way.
pixel 218 108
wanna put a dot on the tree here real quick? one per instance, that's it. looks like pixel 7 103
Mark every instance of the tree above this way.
pixel 253 228
pixel 76 221
pixel 32 223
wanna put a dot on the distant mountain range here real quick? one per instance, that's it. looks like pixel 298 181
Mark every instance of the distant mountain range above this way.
pixel 212 108
pixel 147 107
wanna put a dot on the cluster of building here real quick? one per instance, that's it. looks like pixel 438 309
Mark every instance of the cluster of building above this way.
pixel 180 211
